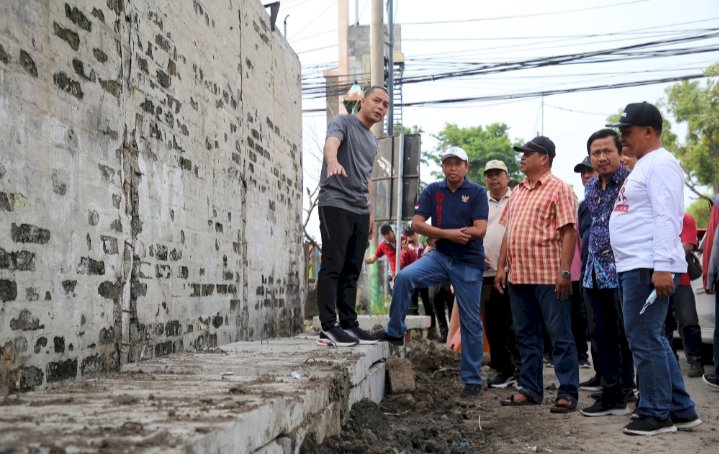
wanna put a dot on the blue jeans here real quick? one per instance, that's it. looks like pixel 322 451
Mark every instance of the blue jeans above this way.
pixel 532 306
pixel 661 386
pixel 434 268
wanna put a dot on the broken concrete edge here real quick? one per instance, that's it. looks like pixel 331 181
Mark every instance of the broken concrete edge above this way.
pixel 245 397
pixel 368 322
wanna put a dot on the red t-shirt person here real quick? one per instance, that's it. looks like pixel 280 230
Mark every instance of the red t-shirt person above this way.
pixel 688 235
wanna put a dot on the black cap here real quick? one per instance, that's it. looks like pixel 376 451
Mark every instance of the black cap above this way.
pixel 639 114
pixel 585 164
pixel 541 144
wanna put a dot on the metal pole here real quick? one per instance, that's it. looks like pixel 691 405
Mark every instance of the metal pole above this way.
pixel 377 55
pixel 400 176
pixel 390 68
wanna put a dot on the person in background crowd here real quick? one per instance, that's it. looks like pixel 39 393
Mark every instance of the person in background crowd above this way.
pixel 347 217
pixel 388 248
pixel 600 281
pixel 710 267
pixel 458 209
pixel 537 249
pixel 683 307
pixel 579 311
pixel 627 160
pixel 644 232
pixel 423 293
pixel 497 311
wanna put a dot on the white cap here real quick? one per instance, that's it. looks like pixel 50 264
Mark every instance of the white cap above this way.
pixel 456 152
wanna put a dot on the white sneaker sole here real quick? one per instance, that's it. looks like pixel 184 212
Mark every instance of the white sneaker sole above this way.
pixel 612 412
pixel 331 343
pixel 504 385
pixel 689 425
pixel 669 429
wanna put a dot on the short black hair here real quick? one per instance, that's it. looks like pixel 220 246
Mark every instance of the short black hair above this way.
pixel 385 229
pixel 603 133
pixel 408 231
pixel 372 88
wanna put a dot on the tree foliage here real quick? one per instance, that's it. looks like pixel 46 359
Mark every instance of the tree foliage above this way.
pixel 697 105
pixel 700 209
pixel 482 144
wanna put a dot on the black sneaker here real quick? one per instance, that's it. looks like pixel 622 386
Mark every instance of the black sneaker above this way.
pixel 338 337
pixel 712 381
pixel 593 384
pixel 584 364
pixel 382 336
pixel 471 390
pixel 696 369
pixel 687 423
pixel 604 409
pixel 648 426
pixel 503 381
pixel 362 336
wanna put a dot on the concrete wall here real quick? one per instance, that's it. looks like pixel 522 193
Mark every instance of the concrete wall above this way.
pixel 150 183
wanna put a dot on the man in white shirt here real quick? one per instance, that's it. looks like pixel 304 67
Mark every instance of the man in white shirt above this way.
pixel 644 232
pixel 497 311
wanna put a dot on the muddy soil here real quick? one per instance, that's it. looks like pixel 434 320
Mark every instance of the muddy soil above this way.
pixel 434 418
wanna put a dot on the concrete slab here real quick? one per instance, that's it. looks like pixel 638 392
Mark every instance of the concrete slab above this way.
pixel 244 397
pixel 367 322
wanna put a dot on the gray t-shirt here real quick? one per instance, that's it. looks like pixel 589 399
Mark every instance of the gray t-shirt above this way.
pixel 356 153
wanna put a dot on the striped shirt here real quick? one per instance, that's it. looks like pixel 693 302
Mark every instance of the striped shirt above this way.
pixel 533 217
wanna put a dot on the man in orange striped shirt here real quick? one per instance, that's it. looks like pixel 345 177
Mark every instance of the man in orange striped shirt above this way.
pixel 537 248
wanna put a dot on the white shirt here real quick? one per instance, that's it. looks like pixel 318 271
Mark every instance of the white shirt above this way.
pixel 646 221
pixel 495 231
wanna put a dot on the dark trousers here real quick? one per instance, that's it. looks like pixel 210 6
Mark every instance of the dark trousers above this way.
pixel 500 331
pixel 613 357
pixel 428 307
pixel 443 301
pixel 579 320
pixel 535 305
pixel 683 307
pixel 344 241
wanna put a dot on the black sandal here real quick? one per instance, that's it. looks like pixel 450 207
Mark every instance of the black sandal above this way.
pixel 569 405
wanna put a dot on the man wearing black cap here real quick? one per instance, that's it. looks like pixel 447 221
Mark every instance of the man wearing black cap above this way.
pixel 644 230
pixel 538 247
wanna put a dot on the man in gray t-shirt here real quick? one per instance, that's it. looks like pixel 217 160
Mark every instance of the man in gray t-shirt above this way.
pixel 346 217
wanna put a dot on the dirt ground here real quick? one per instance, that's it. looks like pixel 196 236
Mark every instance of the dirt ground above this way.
pixel 434 418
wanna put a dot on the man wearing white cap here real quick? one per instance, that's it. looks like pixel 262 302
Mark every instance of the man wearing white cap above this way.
pixel 497 311
pixel 458 209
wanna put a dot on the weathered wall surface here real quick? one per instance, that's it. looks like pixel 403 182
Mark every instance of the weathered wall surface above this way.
pixel 150 183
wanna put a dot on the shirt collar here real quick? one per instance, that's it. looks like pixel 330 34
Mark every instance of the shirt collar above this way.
pixel 505 196
pixel 619 176
pixel 465 184
pixel 542 180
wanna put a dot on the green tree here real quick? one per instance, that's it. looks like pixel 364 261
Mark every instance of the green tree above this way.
pixel 482 144
pixel 697 105
pixel 700 209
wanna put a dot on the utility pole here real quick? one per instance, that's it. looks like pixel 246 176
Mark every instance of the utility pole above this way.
pixel 376 44
pixel 390 68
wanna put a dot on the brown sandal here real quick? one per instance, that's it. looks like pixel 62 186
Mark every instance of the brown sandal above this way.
pixel 511 400
pixel 564 404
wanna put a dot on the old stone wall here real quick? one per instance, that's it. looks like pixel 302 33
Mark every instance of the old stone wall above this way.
pixel 150 183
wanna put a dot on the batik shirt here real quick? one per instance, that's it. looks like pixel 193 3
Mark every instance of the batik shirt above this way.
pixel 600 260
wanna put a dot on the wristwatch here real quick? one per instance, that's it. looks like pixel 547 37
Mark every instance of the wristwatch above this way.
pixel 566 274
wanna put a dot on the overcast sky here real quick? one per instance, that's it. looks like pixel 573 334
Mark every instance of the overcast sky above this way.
pixel 460 35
